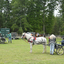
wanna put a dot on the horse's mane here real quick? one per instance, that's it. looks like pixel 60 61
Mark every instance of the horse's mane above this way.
pixel 28 35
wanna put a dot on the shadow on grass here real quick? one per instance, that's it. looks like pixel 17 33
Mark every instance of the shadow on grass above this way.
pixel 47 53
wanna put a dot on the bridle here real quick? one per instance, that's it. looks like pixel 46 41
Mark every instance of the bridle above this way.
pixel 24 36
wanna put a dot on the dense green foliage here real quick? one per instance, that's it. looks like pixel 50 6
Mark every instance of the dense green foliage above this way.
pixel 32 15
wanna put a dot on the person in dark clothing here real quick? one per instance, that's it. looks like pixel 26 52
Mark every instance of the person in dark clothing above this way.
pixel 44 35
pixel 62 42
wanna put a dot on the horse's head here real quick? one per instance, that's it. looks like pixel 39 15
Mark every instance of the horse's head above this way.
pixel 23 35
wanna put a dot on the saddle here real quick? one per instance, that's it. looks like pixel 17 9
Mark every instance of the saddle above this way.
pixel 34 38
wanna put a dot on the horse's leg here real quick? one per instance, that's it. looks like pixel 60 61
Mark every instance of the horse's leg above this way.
pixel 30 47
pixel 44 48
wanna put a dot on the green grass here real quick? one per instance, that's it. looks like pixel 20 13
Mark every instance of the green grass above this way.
pixel 17 52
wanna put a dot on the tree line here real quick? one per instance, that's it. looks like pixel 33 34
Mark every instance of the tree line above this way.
pixel 32 16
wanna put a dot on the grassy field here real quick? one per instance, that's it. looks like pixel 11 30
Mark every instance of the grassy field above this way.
pixel 17 52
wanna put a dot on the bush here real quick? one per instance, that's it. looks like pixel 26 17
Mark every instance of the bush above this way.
pixel 62 33
pixel 20 31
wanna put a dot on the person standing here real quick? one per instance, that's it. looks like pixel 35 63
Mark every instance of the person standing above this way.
pixel 44 35
pixel 9 37
pixel 0 34
pixel 52 43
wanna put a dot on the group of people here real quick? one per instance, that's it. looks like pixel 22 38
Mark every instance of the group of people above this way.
pixel 39 35
pixel 52 40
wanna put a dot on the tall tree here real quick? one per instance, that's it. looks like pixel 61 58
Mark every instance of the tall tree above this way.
pixel 6 13
pixel 35 14
pixel 19 13
pixel 62 11
pixel 1 15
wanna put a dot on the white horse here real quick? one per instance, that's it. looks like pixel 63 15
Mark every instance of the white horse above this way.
pixel 35 40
